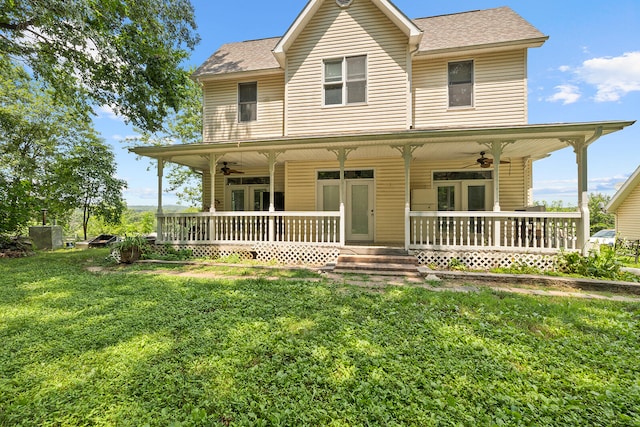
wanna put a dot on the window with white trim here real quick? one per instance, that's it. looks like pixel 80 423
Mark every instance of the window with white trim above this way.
pixel 345 80
pixel 248 102
pixel 461 84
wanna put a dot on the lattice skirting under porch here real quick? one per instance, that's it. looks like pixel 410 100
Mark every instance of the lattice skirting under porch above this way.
pixel 477 260
pixel 282 253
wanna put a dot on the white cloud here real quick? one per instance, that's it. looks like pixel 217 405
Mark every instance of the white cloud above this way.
pixel 568 94
pixel 142 193
pixel 613 77
pixel 105 111
pixel 564 68
pixel 563 189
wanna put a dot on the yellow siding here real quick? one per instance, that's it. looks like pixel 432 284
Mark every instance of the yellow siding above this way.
pixel 333 33
pixel 628 216
pixel 500 91
pixel 220 110
pixel 301 190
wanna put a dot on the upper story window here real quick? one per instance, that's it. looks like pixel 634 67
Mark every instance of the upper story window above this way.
pixel 248 102
pixel 345 80
pixel 461 84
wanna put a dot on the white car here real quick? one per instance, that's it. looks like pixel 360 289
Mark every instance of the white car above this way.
pixel 604 237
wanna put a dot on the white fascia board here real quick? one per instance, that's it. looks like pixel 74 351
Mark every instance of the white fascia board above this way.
pixel 623 192
pixel 294 30
pixel 401 20
pixel 389 9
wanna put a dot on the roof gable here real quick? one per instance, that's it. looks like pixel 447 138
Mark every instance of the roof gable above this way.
pixel 389 9
pixel 624 191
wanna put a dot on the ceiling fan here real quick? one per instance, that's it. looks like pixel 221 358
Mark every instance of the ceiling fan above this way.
pixel 486 162
pixel 226 170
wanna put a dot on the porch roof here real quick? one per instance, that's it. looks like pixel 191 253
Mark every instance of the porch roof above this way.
pixel 534 141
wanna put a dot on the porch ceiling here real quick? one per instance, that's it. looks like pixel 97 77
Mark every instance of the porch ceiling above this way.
pixel 526 141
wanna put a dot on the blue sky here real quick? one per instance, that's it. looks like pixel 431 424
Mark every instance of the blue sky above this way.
pixel 588 70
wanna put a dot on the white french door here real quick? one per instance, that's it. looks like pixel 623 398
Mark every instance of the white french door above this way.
pixel 246 197
pixel 464 196
pixel 359 206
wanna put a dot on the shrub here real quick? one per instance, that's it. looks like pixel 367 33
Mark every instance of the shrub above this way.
pixel 604 263
pixel 456 264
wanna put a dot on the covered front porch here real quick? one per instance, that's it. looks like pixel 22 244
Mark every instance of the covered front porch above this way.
pixel 318 177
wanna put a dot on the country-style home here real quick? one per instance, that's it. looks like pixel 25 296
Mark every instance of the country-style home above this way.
pixel 360 126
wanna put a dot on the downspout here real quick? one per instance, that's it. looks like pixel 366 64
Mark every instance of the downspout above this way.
pixel 410 106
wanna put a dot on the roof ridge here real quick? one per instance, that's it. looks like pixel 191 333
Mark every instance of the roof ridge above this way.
pixel 256 40
pixel 460 13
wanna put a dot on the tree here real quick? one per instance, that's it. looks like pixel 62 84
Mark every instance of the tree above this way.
pixel 34 130
pixel 600 220
pixel 185 126
pixel 85 178
pixel 46 153
pixel 125 54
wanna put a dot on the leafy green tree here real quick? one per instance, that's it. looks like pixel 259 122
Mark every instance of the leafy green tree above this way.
pixel 122 53
pixel 50 157
pixel 34 130
pixel 85 178
pixel 600 220
pixel 555 206
pixel 184 126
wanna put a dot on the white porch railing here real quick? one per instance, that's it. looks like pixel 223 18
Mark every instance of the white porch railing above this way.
pixel 322 228
pixel 512 231
pixel 543 231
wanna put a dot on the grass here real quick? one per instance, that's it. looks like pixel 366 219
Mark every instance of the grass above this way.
pixel 130 349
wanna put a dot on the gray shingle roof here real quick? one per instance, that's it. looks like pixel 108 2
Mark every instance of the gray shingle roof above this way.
pixel 476 28
pixel 455 31
pixel 251 55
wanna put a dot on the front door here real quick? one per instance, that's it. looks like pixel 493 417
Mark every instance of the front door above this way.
pixel 359 210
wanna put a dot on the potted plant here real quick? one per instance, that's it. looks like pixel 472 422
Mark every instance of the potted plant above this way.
pixel 131 248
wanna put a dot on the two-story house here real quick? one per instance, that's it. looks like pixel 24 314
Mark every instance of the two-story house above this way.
pixel 362 126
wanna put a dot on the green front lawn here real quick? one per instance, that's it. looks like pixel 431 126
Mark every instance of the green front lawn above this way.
pixel 125 348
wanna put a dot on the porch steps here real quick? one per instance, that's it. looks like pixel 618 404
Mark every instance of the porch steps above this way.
pixel 383 261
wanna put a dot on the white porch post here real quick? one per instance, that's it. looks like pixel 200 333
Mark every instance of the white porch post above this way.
pixel 160 175
pixel 213 162
pixel 407 155
pixel 272 207
pixel 342 157
pixel 272 157
pixel 496 152
pixel 580 148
